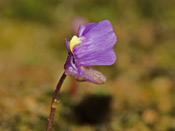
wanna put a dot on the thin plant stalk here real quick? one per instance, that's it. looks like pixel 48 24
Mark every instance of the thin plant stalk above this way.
pixel 55 102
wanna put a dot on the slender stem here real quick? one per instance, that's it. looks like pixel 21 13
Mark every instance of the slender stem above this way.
pixel 55 102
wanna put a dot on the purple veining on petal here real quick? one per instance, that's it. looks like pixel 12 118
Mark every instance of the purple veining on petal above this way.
pixel 84 29
pixel 107 57
pixel 98 42
pixel 96 28
pixel 81 30
pixel 94 44
pixel 96 48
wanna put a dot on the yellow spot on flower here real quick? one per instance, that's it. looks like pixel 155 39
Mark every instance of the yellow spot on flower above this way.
pixel 74 41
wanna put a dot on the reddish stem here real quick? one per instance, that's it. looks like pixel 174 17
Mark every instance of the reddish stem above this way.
pixel 55 102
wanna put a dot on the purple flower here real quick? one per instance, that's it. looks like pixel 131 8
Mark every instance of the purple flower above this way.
pixel 93 46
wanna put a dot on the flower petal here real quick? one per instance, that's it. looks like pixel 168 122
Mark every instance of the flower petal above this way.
pixel 106 57
pixel 96 28
pixel 83 73
pixel 96 47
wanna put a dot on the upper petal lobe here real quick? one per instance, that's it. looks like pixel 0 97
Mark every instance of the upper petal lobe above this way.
pixel 97 44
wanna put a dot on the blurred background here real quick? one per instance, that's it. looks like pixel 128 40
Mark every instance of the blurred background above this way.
pixel 139 94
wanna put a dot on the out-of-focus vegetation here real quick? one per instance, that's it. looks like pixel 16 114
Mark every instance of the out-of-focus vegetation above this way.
pixel 139 94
